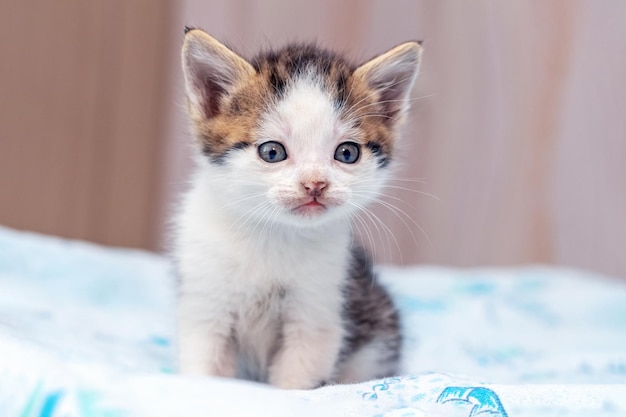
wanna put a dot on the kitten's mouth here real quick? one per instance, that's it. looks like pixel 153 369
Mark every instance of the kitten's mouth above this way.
pixel 310 208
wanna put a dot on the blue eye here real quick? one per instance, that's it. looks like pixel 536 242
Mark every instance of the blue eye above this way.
pixel 348 152
pixel 272 152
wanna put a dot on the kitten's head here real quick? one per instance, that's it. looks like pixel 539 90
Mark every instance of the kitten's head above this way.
pixel 298 135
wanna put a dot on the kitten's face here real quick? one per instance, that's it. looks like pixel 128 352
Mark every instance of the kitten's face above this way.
pixel 307 161
pixel 298 136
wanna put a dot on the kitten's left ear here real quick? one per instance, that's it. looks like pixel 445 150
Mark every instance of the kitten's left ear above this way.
pixel 392 74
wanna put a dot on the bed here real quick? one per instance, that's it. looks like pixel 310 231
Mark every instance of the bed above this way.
pixel 88 331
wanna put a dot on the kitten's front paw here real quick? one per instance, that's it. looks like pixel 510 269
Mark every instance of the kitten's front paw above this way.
pixel 293 383
pixel 206 356
pixel 207 367
pixel 293 379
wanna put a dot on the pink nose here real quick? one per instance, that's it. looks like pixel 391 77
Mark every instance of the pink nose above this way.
pixel 314 188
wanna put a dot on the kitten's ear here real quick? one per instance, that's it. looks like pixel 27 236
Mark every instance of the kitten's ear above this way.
pixel 211 70
pixel 392 74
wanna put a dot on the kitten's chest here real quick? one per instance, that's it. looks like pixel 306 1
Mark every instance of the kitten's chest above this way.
pixel 270 267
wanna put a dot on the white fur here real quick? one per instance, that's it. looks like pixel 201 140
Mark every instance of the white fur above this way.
pixel 260 285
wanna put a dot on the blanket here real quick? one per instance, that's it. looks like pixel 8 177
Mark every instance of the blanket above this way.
pixel 88 331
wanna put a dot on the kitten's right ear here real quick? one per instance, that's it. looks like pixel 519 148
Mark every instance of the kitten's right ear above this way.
pixel 211 70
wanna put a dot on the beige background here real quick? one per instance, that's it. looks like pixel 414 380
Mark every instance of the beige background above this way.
pixel 520 129
pixel 82 87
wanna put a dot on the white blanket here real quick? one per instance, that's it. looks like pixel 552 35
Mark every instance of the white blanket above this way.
pixel 88 331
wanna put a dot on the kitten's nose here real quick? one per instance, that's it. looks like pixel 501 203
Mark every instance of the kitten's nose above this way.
pixel 314 188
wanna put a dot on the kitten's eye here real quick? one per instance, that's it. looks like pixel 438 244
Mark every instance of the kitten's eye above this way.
pixel 347 152
pixel 272 152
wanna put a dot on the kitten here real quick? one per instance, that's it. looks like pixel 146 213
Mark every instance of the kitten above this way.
pixel 289 145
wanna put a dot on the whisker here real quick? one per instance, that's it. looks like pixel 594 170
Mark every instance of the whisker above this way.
pixel 261 218
pixel 418 180
pixel 351 111
pixel 394 101
pixel 245 218
pixel 267 220
pixel 377 115
pixel 365 211
pixel 388 196
pixel 368 234
pixel 274 215
pixel 397 187
pixel 264 218
pixel 397 210
pixel 424 193
pixel 242 199
pixel 375 219
pixel 392 207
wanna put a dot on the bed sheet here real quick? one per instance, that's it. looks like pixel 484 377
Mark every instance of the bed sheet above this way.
pixel 89 331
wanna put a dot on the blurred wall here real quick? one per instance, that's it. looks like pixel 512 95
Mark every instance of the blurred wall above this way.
pixel 81 108
pixel 517 127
